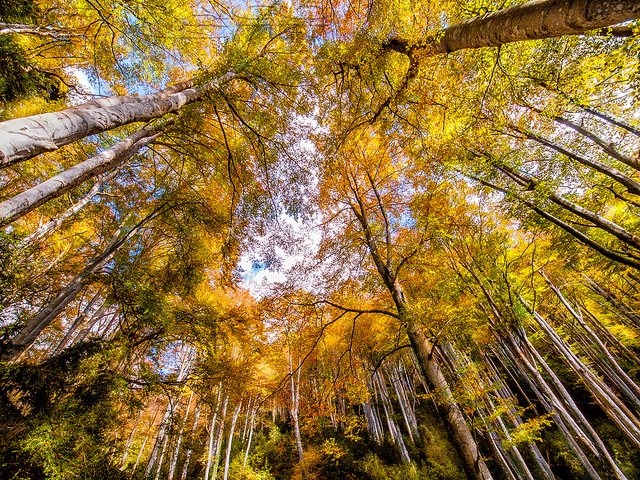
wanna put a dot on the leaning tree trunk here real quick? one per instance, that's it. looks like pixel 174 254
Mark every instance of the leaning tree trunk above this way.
pixel 23 138
pixel 218 445
pixel 473 463
pixel 23 340
pixel 23 203
pixel 53 224
pixel 530 21
pixel 78 321
pixel 212 429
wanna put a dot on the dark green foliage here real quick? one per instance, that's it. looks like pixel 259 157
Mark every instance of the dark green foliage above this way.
pixel 57 416
pixel 19 77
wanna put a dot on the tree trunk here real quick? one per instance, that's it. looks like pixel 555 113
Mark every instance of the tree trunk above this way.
pixel 246 455
pixel 234 419
pixel 607 147
pixel 23 138
pixel 599 221
pixel 23 340
pixel 295 398
pixel 53 224
pixel 78 321
pixel 394 431
pixel 25 202
pixel 187 460
pixel 629 183
pixel 174 459
pixel 127 446
pixel 473 463
pixel 212 432
pixel 218 446
pixel 563 225
pixel 530 21
pixel 144 444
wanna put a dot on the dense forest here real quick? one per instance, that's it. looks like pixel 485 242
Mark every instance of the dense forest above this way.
pixel 383 239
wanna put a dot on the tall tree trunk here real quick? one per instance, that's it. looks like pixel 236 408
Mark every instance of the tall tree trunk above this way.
pixel 234 419
pixel 127 446
pixel 599 221
pixel 473 463
pixel 530 21
pixel 295 403
pixel 218 445
pixel 611 255
pixel 95 318
pixel 394 431
pixel 52 225
pixel 23 340
pixel 23 138
pixel 251 427
pixel 623 179
pixel 187 460
pixel 174 458
pixel 78 321
pixel 212 435
pixel 25 202
pixel 607 147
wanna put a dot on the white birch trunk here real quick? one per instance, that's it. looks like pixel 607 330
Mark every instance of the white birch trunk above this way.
pixel 234 419
pixel 251 427
pixel 23 138
pixel 127 446
pixel 212 432
pixel 174 459
pixel 218 445
pixel 51 226
pixel 23 340
pixel 25 202
pixel 144 444
pixel 187 460
pixel 78 321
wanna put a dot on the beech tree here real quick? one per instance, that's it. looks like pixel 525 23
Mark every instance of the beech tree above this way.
pixel 466 304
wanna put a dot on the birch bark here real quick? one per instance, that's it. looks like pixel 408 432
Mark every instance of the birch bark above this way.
pixel 23 138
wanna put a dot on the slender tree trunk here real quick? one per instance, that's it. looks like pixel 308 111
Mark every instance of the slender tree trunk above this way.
pixel 629 183
pixel 23 138
pixel 25 202
pixel 127 446
pixel 295 399
pixel 611 255
pixel 599 221
pixel 212 432
pixel 51 226
pixel 624 309
pixel 187 460
pixel 95 318
pixel 144 444
pixel 218 445
pixel 163 451
pixel 607 147
pixel 23 340
pixel 162 428
pixel 187 355
pixel 234 419
pixel 251 427
pixel 394 431
pixel 78 321
pixel 174 459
